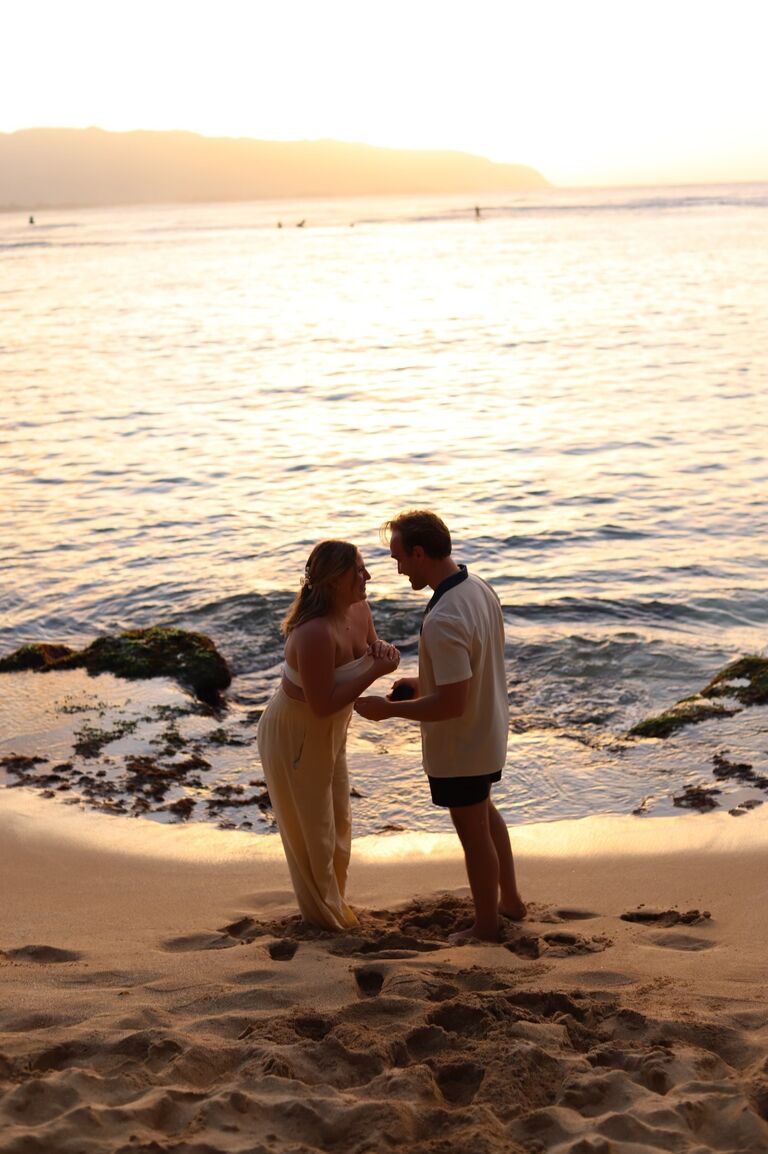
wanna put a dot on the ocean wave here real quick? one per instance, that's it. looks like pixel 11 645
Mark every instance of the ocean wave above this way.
pixel 247 626
pixel 748 609
pixel 557 203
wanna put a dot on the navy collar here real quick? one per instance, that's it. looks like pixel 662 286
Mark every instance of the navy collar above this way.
pixel 444 586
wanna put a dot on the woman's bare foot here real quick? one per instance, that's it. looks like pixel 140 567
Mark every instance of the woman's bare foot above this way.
pixel 473 934
pixel 514 911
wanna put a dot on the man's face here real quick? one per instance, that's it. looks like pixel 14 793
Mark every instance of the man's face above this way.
pixel 411 565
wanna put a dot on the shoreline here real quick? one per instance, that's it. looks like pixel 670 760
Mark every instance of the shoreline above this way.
pixel 158 992
pixel 622 835
pixel 145 748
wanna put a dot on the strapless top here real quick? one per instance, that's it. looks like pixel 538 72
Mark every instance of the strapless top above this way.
pixel 340 673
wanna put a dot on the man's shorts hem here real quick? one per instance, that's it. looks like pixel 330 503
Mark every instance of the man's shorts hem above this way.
pixel 455 792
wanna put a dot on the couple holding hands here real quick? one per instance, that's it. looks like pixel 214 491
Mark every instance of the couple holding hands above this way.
pixel 332 655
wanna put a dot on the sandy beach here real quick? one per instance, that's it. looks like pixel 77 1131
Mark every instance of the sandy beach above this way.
pixel 159 993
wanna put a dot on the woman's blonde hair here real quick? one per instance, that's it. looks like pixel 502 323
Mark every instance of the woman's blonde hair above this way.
pixel 326 563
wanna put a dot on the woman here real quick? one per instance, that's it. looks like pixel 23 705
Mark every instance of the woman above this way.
pixel 332 654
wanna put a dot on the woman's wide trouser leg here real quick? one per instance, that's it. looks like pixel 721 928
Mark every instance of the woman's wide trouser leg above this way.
pixel 305 768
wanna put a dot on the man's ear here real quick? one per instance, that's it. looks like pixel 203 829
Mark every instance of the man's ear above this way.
pixel 417 552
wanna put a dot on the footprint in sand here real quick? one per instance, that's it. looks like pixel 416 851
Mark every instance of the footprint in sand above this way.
pixel 419 986
pixel 27 1023
pixel 109 979
pixel 45 955
pixel 550 1003
pixel 311 1026
pixel 369 981
pixel 603 979
pixel 425 1041
pixel 393 945
pixel 666 917
pixel 563 945
pixel 244 929
pixel 61 1056
pixel 526 946
pixel 462 1018
pixel 546 915
pixel 682 942
pixel 571 915
pixel 199 942
pixel 459 1082
pixel 283 950
pixel 559 944
pixel 253 977
pixel 476 979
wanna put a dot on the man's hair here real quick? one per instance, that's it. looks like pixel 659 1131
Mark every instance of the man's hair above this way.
pixel 421 527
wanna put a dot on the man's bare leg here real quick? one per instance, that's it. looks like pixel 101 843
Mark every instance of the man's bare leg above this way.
pixel 472 824
pixel 511 904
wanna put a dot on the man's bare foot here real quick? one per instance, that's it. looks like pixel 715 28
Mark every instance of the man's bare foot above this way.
pixel 514 911
pixel 473 934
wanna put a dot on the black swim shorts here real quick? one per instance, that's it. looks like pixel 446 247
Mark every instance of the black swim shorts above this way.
pixel 454 792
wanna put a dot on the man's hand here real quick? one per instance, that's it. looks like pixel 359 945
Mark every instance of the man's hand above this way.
pixel 404 689
pixel 373 708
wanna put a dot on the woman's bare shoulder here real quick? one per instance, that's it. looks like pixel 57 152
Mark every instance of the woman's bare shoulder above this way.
pixel 313 634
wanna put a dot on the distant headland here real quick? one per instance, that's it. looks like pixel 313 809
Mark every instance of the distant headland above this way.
pixel 69 167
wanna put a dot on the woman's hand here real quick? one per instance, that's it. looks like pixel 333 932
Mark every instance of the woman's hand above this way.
pixel 386 657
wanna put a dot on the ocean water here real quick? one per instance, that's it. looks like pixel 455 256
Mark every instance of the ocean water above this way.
pixel 191 397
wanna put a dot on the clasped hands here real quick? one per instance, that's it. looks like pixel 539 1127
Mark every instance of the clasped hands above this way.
pixel 386 655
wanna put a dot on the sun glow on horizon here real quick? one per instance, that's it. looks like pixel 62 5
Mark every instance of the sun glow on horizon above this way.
pixel 596 93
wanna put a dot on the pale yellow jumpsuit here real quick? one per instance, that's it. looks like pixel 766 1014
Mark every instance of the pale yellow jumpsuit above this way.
pixel 305 767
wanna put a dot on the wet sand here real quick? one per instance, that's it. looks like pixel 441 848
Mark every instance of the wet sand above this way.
pixel 157 992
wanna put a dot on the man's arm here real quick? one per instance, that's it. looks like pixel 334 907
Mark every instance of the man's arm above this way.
pixel 447 701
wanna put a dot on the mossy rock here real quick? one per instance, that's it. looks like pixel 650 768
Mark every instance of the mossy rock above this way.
pixel 687 712
pixel 751 669
pixel 190 658
pixel 720 698
pixel 39 655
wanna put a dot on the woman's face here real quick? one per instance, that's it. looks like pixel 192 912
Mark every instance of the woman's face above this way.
pixel 351 586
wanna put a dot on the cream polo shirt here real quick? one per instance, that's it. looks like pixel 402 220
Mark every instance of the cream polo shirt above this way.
pixel 463 638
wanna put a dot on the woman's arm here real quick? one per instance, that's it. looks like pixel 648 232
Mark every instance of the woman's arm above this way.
pixel 315 650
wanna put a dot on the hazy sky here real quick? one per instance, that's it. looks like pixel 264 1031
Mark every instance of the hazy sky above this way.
pixel 587 91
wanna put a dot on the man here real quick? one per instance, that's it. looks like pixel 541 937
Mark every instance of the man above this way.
pixel 460 700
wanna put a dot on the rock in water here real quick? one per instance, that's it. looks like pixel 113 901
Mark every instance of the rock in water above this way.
pixel 745 679
pixel 39 655
pixel 190 658
pixel 743 682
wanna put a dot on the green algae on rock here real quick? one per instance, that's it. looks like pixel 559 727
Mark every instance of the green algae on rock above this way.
pixel 742 682
pixel 190 658
pixel 687 712
pixel 39 655
pixel 753 670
